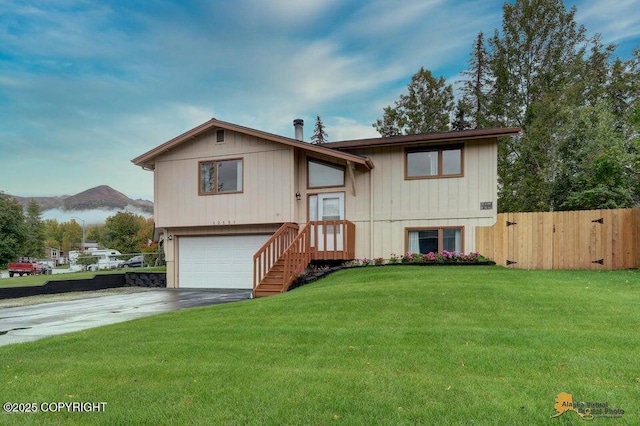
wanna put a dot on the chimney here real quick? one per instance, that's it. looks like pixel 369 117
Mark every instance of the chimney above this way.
pixel 298 123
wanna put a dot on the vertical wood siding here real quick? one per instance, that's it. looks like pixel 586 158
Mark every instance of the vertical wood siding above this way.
pixel 564 240
pixel 268 188
pixel 273 174
pixel 426 203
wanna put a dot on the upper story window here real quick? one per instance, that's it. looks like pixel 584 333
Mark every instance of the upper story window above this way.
pixel 445 161
pixel 219 135
pixel 324 175
pixel 220 177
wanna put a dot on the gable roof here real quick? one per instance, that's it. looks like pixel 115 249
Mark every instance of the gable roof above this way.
pixel 147 160
pixel 424 138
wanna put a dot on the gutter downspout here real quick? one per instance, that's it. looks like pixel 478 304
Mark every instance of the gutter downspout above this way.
pixel 371 235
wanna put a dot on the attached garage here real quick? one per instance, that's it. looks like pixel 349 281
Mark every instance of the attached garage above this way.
pixel 218 261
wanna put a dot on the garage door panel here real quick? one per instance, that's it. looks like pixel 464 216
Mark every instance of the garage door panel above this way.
pixel 218 261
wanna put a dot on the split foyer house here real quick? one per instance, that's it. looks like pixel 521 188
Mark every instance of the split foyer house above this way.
pixel 246 209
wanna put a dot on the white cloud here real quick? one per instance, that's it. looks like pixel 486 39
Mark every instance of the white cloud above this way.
pixel 287 13
pixel 90 85
pixel 343 128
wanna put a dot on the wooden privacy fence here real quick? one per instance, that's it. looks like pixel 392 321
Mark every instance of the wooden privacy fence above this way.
pixel 588 239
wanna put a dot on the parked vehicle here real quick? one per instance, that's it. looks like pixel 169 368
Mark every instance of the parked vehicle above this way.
pixel 25 266
pixel 134 262
pixel 106 259
pixel 48 269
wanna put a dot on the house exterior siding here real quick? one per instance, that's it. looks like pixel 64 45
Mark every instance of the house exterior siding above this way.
pixel 382 215
pixel 267 196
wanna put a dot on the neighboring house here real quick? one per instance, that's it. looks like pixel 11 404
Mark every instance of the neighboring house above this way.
pixel 90 245
pixel 242 208
pixel 56 255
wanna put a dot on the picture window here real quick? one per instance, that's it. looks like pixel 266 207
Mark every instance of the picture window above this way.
pixel 219 177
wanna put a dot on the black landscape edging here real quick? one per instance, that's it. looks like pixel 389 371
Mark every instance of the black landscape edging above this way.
pixel 99 282
pixel 146 279
pixel 311 277
pixel 485 263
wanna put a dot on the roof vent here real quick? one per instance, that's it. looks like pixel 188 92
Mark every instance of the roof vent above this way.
pixel 298 124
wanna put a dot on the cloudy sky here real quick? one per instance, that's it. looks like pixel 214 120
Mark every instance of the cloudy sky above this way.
pixel 87 85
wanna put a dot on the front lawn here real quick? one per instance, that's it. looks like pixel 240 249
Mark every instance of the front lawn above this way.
pixel 376 345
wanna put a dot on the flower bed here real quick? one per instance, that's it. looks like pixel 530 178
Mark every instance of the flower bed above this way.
pixel 444 258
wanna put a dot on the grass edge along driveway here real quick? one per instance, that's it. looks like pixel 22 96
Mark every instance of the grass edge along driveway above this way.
pixel 388 345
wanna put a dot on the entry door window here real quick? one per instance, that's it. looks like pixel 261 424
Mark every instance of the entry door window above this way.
pixel 327 207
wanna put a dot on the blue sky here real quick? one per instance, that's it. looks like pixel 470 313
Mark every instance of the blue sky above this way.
pixel 85 86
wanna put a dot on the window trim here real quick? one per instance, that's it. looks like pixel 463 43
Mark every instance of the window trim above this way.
pixel 439 149
pixel 440 230
pixel 215 162
pixel 328 164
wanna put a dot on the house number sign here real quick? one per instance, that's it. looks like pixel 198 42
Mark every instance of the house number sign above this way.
pixel 486 205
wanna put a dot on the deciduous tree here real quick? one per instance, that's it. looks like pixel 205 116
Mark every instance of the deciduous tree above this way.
pixel 12 229
pixel 536 59
pixel 124 232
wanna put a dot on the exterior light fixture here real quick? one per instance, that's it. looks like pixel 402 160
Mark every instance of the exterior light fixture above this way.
pixel 298 196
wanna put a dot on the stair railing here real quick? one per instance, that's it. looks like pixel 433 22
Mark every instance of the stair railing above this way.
pixel 272 250
pixel 297 256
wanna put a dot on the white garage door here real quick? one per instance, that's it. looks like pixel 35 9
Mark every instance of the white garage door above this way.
pixel 218 262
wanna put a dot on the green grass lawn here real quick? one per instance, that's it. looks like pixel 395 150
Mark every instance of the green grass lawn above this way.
pixel 33 280
pixel 367 346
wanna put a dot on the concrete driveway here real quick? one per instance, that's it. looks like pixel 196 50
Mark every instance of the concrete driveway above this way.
pixel 36 321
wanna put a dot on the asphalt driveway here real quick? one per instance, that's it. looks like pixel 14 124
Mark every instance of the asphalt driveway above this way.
pixel 36 321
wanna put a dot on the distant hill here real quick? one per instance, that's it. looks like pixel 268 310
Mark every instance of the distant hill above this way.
pixel 100 197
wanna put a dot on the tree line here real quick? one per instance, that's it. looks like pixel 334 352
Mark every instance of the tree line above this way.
pixel 25 233
pixel 575 100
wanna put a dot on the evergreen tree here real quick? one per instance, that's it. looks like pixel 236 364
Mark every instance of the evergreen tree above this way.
pixel 462 117
pixel 319 135
pixel 35 231
pixel 477 86
pixel 426 108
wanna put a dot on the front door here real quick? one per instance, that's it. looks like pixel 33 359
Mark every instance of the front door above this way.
pixel 327 207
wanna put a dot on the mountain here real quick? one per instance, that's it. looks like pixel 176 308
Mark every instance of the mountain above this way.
pixel 101 197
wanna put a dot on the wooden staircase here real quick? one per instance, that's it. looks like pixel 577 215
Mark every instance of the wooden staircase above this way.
pixel 288 252
pixel 272 283
pixel 276 264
